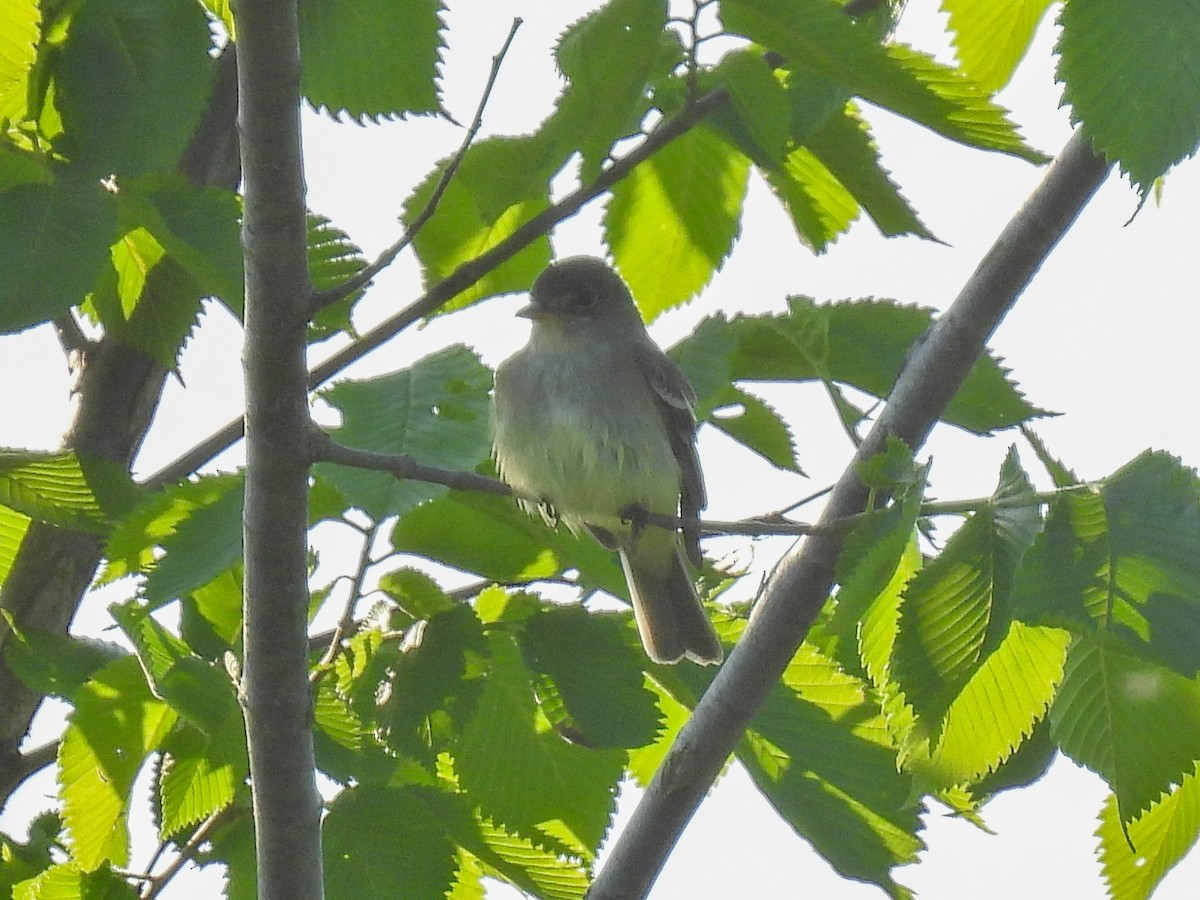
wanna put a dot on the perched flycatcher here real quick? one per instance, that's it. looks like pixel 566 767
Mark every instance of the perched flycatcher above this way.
pixel 594 420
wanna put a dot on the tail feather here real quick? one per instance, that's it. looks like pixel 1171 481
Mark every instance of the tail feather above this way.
pixel 670 618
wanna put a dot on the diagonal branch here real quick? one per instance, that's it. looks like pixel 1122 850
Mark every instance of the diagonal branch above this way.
pixel 462 277
pixel 801 582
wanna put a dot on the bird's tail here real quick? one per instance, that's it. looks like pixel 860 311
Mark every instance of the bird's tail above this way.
pixel 670 618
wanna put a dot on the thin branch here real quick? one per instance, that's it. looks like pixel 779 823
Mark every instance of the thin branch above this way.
pixel 388 256
pixel 324 449
pixel 25 765
pixel 463 277
pixel 797 589
pixel 345 625
pixel 155 884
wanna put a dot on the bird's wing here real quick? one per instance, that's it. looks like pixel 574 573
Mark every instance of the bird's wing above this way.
pixel 676 402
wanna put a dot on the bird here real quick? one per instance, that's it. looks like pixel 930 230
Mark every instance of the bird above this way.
pixel 598 424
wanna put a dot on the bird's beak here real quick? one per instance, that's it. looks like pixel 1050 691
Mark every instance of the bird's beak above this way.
pixel 531 311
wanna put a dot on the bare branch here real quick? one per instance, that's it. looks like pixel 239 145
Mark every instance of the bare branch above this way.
pixel 800 583
pixel 155 884
pixel 388 256
pixel 346 625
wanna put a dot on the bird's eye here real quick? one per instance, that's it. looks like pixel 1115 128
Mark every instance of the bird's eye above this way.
pixel 585 299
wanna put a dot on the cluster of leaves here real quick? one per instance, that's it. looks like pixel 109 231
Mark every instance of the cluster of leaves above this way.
pixel 490 737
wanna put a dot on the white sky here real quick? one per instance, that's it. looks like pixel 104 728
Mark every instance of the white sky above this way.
pixel 1106 335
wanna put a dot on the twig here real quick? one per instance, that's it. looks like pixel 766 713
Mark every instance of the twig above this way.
pixel 324 298
pixel 21 766
pixel 324 449
pixel 462 277
pixel 156 883
pixel 346 624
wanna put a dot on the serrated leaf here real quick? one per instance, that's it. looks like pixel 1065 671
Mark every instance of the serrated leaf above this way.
pixel 957 606
pixel 1123 558
pixel 528 867
pixel 998 707
pixel 760 102
pixel 54 663
pixel 203 544
pixel 194 688
pixel 590 669
pixel 1136 857
pixel 54 242
pixel 19 21
pixel 201 775
pixel 671 222
pixel 375 59
pixel 67 881
pixel 820 207
pixel 490 536
pixel 990 38
pixel 609 57
pixel 386 842
pixel 13 527
pixel 820 752
pixel 843 144
pixel 522 774
pixel 333 259
pixel 435 411
pixel 49 487
pixel 115 724
pixel 131 82
pixel 1131 721
pixel 755 424
pixel 818 36
pixel 500 185
pixel 1131 78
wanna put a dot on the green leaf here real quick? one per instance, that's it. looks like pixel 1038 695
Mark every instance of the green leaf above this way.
pixel 820 752
pixel 332 260
pixel 672 221
pixel 609 57
pixel 997 708
pixel 755 424
pixel 54 240
pixel 54 663
pixel 816 35
pixel 590 678
pixel 843 144
pixel 1124 559
pixel 202 545
pixel 500 185
pixel 956 607
pixel 528 867
pixel 820 207
pixel 490 536
pixel 1128 719
pixel 201 774
pixel 131 82
pixel 991 37
pixel 522 774
pixel 435 411
pixel 1130 76
pixel 386 842
pixel 373 59
pixel 68 881
pixel 1136 857
pixel 115 724
pixel 760 103
pixel 824 342
pixel 51 488
pixel 198 227
pixel 194 688
pixel 19 21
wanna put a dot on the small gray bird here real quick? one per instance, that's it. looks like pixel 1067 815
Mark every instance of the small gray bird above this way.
pixel 596 421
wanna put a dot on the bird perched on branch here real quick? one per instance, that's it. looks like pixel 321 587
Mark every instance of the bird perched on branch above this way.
pixel 598 423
